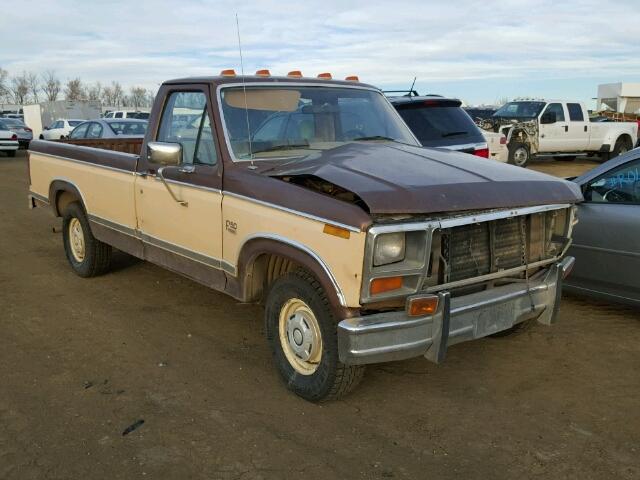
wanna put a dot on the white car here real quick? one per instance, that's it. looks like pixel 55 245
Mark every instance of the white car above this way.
pixel 59 129
pixel 127 114
pixel 8 142
pixel 558 128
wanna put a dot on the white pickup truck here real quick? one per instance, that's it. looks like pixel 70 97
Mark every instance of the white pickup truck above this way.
pixel 558 128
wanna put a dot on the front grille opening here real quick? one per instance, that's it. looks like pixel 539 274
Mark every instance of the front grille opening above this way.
pixel 468 251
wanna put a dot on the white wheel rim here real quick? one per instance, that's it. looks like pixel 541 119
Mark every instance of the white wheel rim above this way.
pixel 300 336
pixel 76 240
pixel 520 156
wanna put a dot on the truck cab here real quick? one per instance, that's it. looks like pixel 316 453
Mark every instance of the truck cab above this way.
pixel 558 128
pixel 312 197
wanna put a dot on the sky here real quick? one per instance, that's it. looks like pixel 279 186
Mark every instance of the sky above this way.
pixel 477 51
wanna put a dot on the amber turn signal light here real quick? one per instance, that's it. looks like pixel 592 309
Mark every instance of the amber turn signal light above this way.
pixel 386 284
pixel 421 306
pixel 336 231
pixel 229 72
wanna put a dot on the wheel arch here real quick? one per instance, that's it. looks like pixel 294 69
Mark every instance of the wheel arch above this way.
pixel 265 257
pixel 62 192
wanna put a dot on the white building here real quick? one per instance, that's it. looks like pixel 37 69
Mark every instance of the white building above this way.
pixel 619 97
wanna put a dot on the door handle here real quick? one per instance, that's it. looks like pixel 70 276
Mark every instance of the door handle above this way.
pixel 566 128
pixel 166 185
pixel 586 128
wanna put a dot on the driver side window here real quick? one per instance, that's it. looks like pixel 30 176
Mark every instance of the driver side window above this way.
pixel 620 185
pixel 557 109
pixel 185 120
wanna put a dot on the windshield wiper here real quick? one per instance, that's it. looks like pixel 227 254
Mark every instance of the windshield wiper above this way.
pixel 372 138
pixel 283 147
pixel 453 134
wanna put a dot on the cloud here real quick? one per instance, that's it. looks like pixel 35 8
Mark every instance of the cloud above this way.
pixel 385 43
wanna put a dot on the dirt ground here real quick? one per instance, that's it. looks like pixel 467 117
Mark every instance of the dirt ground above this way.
pixel 82 360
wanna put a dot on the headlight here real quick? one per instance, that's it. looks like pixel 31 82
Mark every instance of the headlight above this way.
pixel 389 248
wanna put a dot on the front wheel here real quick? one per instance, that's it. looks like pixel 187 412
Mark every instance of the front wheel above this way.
pixel 519 154
pixel 87 255
pixel 302 332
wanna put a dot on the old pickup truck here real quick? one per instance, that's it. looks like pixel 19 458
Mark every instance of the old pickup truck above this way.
pixel 560 129
pixel 312 196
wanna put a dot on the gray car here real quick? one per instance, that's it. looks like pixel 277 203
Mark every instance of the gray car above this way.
pixel 110 128
pixel 606 241
pixel 17 126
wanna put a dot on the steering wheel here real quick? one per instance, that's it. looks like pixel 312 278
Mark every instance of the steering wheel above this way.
pixel 615 196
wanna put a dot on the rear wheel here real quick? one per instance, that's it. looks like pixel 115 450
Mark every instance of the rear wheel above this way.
pixel 519 154
pixel 622 146
pixel 87 255
pixel 302 332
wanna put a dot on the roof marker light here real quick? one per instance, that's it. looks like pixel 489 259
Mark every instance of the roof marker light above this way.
pixel 229 72
pixel 352 78
pixel 326 75
pixel 295 73
pixel 263 73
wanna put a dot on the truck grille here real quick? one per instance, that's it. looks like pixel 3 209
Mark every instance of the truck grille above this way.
pixel 474 250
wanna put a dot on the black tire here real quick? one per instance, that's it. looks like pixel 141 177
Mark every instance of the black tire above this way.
pixel 622 146
pixel 519 154
pixel 11 153
pixel 97 255
pixel 331 379
pixel 41 137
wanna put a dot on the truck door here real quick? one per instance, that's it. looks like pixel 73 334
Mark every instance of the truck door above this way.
pixel 179 206
pixel 553 136
pixel 578 139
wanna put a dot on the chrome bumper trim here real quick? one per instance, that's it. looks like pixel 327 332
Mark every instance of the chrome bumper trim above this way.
pixel 393 336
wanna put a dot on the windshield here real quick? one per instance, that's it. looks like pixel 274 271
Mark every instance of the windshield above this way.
pixel 290 121
pixel 520 110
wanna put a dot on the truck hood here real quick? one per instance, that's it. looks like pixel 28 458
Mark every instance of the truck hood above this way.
pixel 395 178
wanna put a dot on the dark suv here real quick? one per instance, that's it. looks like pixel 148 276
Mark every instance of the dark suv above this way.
pixel 440 122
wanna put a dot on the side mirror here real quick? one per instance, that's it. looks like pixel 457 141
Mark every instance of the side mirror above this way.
pixel 166 154
pixel 548 117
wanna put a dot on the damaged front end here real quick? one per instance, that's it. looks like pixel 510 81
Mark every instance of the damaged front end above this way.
pixel 525 132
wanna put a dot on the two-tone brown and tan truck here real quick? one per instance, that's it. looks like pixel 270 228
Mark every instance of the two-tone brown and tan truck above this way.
pixel 312 196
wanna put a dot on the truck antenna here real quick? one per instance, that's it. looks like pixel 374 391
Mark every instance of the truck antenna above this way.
pixel 244 90
pixel 412 85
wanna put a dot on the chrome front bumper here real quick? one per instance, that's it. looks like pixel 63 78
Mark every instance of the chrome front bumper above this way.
pixel 389 336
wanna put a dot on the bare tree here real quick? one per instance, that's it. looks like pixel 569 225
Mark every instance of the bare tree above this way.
pixel 51 86
pixel 74 90
pixel 107 96
pixel 4 87
pixel 20 88
pixel 34 85
pixel 94 92
pixel 137 96
pixel 118 93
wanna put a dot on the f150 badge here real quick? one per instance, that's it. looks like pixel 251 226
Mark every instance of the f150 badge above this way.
pixel 231 226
